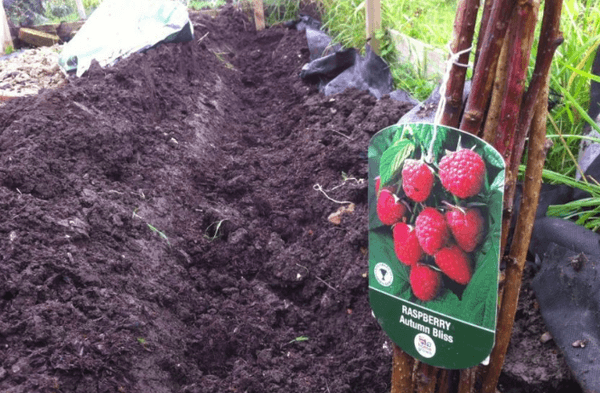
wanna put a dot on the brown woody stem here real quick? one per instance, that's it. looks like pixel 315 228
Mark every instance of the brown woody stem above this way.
pixel 426 378
pixel 485 18
pixel 467 380
pixel 491 120
pixel 485 69
pixel 519 45
pixel 444 382
pixel 534 107
pixel 402 370
pixel 550 39
pixel 518 252
pixel 464 27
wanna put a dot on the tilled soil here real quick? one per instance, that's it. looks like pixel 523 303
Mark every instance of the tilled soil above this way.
pixel 164 225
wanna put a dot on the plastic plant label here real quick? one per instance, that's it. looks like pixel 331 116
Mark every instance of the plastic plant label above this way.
pixel 435 222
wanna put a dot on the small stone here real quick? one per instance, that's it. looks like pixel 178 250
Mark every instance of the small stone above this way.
pixel 275 243
pixel 579 344
pixel 19 366
pixel 545 337
pixel 578 261
pixel 237 236
pixel 336 217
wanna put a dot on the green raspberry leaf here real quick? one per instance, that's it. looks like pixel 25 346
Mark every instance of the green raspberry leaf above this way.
pixel 428 135
pixel 392 159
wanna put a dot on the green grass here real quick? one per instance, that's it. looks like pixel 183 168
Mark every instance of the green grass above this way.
pixel 570 78
pixel 66 10
pixel 203 5
pixel 280 11
pixel 407 79
pixel 429 21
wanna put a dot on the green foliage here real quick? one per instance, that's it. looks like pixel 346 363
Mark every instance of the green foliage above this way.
pixel 298 339
pixel 57 11
pixel 407 79
pixel 571 78
pixel 205 4
pixel 345 21
pixel 160 233
pixel 9 49
pixel 151 227
pixel 212 232
pixel 277 11
pixel 585 212
pixel 24 12
pixel 393 158
pixel 429 21
pixel 91 4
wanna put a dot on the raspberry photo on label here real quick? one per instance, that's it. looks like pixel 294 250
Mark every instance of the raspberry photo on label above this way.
pixel 435 213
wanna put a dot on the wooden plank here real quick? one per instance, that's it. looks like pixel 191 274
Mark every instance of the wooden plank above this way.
pixel 373 17
pixel 65 30
pixel 213 13
pixel 37 38
pixel 80 9
pixel 426 60
pixel 52 29
pixel 5 38
pixel 259 15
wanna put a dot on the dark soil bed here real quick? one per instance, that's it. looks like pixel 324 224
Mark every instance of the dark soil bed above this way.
pixel 161 231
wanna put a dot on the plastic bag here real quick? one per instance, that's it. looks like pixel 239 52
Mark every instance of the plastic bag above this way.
pixel 117 29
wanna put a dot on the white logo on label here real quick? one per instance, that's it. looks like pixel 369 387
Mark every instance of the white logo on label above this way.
pixel 383 274
pixel 424 345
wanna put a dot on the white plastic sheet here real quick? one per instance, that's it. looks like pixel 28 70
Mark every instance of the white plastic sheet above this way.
pixel 5 38
pixel 119 28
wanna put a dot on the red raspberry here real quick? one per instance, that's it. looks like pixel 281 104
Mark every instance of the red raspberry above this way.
pixel 417 180
pixel 377 185
pixel 454 263
pixel 466 226
pixel 462 173
pixel 432 230
pixel 425 282
pixel 389 208
pixel 406 245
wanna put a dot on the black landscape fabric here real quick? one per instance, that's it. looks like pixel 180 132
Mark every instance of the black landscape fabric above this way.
pixel 568 290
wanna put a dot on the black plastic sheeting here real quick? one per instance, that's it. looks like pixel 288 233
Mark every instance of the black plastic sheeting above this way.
pixel 567 283
pixel 336 69
pixel 568 290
